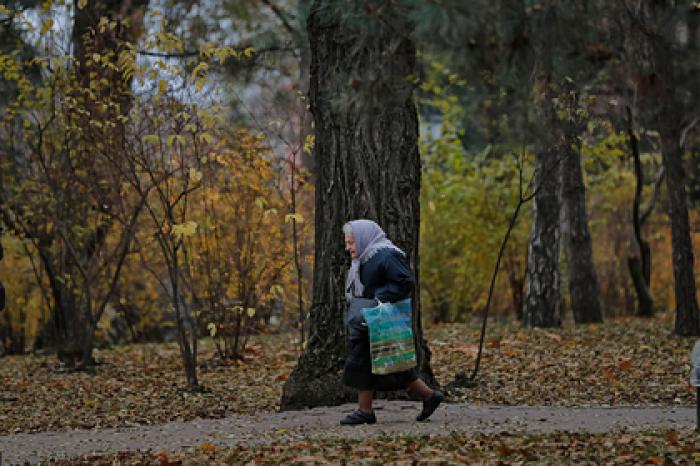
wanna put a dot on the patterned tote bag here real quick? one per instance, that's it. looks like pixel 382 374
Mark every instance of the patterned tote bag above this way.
pixel 391 337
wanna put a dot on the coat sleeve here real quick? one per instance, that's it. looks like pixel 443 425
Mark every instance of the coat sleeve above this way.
pixel 399 279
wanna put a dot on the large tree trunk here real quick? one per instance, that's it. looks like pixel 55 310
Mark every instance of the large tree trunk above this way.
pixel 583 283
pixel 367 166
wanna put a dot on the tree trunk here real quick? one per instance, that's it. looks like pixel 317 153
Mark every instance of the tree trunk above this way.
pixel 684 280
pixel 367 166
pixel 639 262
pixel 187 349
pixel 74 321
pixel 669 126
pixel 542 306
pixel 2 288
pixel 583 283
pixel 128 17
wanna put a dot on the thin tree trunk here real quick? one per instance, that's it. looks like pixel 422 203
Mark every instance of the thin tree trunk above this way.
pixel 2 288
pixel 639 262
pixel 186 349
pixel 367 166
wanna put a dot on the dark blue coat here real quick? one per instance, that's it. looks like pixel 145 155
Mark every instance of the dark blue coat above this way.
pixel 387 276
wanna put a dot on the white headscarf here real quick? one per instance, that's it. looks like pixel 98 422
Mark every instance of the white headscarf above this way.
pixel 369 238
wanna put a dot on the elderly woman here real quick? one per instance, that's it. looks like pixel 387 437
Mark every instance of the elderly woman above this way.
pixel 379 273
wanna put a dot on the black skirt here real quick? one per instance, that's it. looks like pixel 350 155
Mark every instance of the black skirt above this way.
pixel 357 372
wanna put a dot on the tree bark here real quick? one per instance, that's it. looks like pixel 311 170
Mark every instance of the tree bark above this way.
pixel 2 288
pixel 583 283
pixel 669 126
pixel 684 279
pixel 542 306
pixel 543 298
pixel 367 166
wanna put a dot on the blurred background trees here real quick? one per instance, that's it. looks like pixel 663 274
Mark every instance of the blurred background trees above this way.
pixel 157 180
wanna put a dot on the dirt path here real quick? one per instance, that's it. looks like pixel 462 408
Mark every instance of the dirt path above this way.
pixel 393 417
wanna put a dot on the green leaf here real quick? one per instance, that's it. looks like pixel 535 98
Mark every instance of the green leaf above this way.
pixel 206 137
pixel 151 138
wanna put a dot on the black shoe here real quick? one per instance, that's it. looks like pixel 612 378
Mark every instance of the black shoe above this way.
pixel 359 417
pixel 430 405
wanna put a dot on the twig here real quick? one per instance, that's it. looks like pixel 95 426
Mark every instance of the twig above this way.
pixel 461 379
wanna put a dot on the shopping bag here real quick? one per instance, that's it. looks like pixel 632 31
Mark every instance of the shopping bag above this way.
pixel 390 337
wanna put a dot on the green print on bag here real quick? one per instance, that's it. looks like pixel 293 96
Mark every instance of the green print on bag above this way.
pixel 391 337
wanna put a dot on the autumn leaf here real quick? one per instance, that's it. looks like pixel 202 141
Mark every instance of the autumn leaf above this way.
pixel 672 437
pixel 206 446
pixel 296 217
pixel 195 175
pixel 184 229
pixel 625 364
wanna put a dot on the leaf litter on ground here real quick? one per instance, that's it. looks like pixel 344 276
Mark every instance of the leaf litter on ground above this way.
pixel 653 447
pixel 621 362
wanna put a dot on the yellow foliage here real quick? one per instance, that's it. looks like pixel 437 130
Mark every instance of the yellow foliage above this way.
pixel 25 311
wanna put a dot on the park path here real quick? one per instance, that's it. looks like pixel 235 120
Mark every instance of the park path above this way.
pixel 394 417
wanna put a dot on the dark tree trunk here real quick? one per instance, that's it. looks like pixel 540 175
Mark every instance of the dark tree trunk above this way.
pixel 367 166
pixel 516 279
pixel 669 126
pixel 684 279
pixel 128 17
pixel 583 283
pixel 640 261
pixel 2 288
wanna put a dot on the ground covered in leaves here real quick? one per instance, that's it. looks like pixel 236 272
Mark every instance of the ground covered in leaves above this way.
pixel 624 362
pixel 654 448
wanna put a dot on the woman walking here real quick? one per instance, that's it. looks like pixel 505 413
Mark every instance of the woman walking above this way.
pixel 379 273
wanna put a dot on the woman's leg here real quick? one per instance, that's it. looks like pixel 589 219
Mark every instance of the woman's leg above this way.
pixel 431 398
pixel 364 399
pixel 420 389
